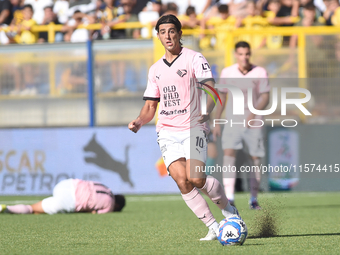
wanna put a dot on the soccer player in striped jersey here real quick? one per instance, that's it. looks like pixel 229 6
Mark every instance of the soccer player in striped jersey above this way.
pixel 72 196
pixel 180 122
pixel 244 75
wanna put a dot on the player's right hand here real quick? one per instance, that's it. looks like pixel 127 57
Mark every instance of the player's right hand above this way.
pixel 135 125
pixel 216 132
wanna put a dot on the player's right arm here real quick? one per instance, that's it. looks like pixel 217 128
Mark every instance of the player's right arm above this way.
pixel 146 115
pixel 151 97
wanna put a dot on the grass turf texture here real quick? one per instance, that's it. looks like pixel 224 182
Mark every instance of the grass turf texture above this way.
pixel 302 223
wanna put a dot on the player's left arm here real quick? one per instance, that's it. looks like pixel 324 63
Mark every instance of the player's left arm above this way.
pixel 205 78
pixel 210 102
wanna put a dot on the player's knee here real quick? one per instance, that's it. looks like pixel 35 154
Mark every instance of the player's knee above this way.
pixel 197 182
pixel 184 185
pixel 230 152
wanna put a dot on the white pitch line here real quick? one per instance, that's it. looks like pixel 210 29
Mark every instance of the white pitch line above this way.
pixel 19 202
pixel 152 199
pixel 178 197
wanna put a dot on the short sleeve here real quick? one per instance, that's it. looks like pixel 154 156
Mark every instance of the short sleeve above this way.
pixel 152 89
pixel 264 86
pixel 202 68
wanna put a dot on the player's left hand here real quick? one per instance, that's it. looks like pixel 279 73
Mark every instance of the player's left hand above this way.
pixel 203 118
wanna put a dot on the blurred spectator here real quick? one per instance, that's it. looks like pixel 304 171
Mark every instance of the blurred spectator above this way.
pixel 128 16
pixel 249 13
pixel 71 30
pixel 18 6
pixel 189 20
pixel 61 8
pixel 139 5
pixel 287 14
pixel 38 8
pixel 49 17
pixel 273 8
pixel 98 12
pixel 171 8
pixel 73 79
pixel 23 34
pixel 109 18
pixel 320 5
pixel 6 16
pixel 200 6
pixel 153 6
pixel 222 17
pixel 223 22
pixel 237 8
pixel 182 5
pixel 150 14
pixel 332 12
pixel 84 6
pixel 309 14
pixel 252 21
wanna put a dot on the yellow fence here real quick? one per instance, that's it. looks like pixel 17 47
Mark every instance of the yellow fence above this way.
pixel 230 37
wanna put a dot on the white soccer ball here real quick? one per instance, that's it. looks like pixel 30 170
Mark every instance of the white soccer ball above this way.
pixel 232 231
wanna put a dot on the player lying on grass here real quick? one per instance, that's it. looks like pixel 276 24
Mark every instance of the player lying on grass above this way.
pixel 72 196
pixel 181 127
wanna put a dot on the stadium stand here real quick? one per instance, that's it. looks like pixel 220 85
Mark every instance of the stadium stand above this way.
pixel 298 39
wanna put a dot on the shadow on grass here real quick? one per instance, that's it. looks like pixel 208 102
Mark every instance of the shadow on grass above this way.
pixel 325 234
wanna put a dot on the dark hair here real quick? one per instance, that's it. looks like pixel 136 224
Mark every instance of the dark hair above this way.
pixel 28 6
pixel 169 19
pixel 223 8
pixel 48 7
pixel 172 7
pixel 242 44
pixel 309 5
pixel 119 203
pixel 190 10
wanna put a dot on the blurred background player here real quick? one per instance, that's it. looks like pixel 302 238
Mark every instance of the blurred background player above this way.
pixel 72 196
pixel 180 122
pixel 234 136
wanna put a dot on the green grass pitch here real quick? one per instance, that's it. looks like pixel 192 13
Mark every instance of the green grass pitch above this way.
pixel 306 223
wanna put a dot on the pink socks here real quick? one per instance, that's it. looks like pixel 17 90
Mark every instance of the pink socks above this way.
pixel 199 206
pixel 20 209
pixel 214 190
